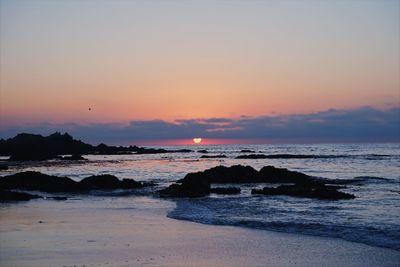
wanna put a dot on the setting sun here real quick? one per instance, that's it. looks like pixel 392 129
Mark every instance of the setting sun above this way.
pixel 197 140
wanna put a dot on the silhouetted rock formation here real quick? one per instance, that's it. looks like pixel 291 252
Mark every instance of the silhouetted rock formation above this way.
pixel 108 182
pixel 6 195
pixel 320 192
pixel 225 190
pixel 47 183
pixel 191 187
pixel 212 156
pixel 198 183
pixel 222 174
pixel 247 151
pixel 203 151
pixel 24 147
pixel 252 156
pixel 36 147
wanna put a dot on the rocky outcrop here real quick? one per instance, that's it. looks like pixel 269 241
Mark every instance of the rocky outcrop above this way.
pixel 52 184
pixel 191 187
pixel 302 185
pixel 107 182
pixel 34 147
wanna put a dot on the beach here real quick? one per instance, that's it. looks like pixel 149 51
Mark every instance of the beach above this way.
pixel 134 231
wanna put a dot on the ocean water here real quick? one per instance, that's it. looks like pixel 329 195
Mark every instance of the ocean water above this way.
pixel 372 218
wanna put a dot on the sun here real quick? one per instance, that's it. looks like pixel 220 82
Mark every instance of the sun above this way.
pixel 197 140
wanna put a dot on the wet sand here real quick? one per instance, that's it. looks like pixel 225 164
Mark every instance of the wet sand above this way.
pixel 135 231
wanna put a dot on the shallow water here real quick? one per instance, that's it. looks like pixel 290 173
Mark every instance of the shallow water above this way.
pixel 372 218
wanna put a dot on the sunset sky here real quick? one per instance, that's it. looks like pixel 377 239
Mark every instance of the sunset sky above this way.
pixel 175 66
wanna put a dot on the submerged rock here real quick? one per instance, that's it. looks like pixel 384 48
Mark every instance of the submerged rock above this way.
pixel 6 195
pixel 320 192
pixel 202 151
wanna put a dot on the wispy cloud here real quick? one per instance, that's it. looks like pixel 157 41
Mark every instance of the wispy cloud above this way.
pixel 355 125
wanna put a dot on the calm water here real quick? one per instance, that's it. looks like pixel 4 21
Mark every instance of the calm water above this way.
pixel 372 218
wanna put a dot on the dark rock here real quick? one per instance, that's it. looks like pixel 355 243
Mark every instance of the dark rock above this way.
pixel 38 181
pixel 96 182
pixel 48 183
pixel 198 183
pixel 24 147
pixel 319 192
pixel 203 151
pixel 270 174
pixel 225 190
pixel 212 156
pixel 252 156
pixel 246 151
pixel 191 187
pixel 6 195
pixel 36 147
pixel 222 174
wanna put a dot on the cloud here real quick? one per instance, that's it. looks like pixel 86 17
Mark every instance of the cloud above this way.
pixel 334 125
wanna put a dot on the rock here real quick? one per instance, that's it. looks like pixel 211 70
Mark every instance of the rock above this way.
pixel 246 151
pixel 191 187
pixel 198 183
pixel 271 174
pixel 36 147
pixel 97 182
pixel 6 195
pixel 252 156
pixel 38 181
pixel 52 184
pixel 222 174
pixel 225 190
pixel 212 156
pixel 202 151
pixel 319 192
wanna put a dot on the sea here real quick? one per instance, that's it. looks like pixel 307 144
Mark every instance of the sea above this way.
pixel 372 218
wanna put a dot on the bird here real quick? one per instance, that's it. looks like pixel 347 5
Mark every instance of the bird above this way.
pixel 90 109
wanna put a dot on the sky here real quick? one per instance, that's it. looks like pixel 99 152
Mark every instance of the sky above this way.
pixel 155 71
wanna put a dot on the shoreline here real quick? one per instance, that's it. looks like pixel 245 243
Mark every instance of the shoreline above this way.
pixel 135 231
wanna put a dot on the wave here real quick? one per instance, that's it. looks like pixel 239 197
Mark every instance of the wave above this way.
pixel 329 221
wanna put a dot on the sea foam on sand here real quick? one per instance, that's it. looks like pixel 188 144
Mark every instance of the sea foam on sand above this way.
pixel 134 231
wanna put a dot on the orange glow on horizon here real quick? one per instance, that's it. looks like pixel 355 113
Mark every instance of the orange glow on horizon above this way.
pixel 204 141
